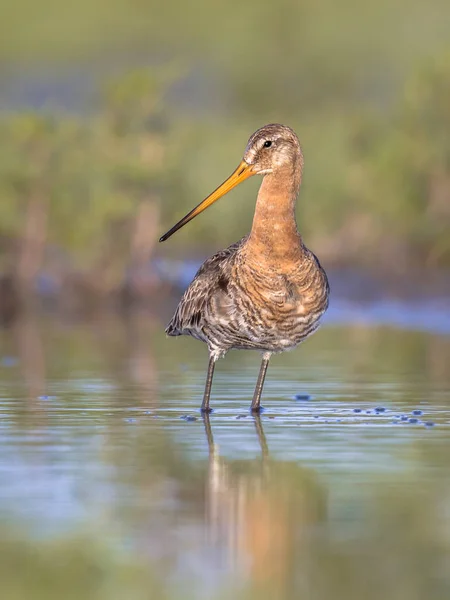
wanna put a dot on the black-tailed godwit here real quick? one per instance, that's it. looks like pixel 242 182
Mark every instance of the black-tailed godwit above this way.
pixel 266 292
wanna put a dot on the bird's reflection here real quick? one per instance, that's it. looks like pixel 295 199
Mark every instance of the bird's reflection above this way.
pixel 261 514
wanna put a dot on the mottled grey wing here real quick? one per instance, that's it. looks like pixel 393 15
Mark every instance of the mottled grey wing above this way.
pixel 190 310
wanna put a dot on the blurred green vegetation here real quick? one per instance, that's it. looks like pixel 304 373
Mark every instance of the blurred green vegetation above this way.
pixel 77 192
pixel 365 87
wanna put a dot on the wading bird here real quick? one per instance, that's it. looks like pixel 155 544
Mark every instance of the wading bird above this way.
pixel 266 292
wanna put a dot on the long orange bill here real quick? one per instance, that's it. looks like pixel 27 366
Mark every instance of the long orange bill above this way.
pixel 243 172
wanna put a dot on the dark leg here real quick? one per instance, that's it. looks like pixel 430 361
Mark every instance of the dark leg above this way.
pixel 208 431
pixel 256 402
pixel 209 378
pixel 261 436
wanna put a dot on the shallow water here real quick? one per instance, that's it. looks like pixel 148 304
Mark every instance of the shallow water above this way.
pixel 113 485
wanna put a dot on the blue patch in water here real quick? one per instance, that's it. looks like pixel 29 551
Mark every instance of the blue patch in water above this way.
pixel 302 397
pixel 188 418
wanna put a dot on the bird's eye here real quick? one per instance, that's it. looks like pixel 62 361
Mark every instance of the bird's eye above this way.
pixel 267 144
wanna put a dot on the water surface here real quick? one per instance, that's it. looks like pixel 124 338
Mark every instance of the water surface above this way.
pixel 113 485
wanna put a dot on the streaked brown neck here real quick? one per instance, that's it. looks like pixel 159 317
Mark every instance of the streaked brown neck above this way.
pixel 274 235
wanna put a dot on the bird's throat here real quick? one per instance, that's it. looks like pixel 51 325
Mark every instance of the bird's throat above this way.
pixel 274 233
